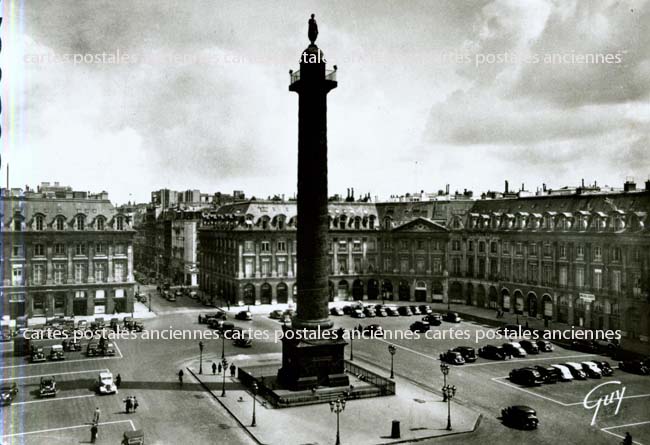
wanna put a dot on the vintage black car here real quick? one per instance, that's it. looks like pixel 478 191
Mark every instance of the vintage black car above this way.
pixel 634 367
pixel 425 309
pixel 128 323
pixel 592 370
pixel 520 416
pixel 529 346
pixel 468 353
pixel 357 313
pixel 373 331
pixel 526 376
pixel 584 346
pixel 420 326
pixel 47 387
pixel 514 349
pixel 138 326
pixel 576 370
pixel 433 319
pixel 56 352
pixel 114 323
pixel 205 317
pixel 244 315
pixel 37 354
pixel 8 392
pixel 415 310
pixel 92 349
pixel 404 310
pixel 494 353
pixel 336 311
pixel 605 368
pixel 549 374
pixel 369 311
pixel 242 340
pixel 392 311
pixel 545 346
pixel 452 317
pixel 452 357
pixel 71 344
pixel 381 312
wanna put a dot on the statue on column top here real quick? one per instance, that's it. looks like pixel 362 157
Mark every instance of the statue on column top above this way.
pixel 313 30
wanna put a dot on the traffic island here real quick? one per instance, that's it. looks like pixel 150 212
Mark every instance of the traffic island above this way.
pixel 421 414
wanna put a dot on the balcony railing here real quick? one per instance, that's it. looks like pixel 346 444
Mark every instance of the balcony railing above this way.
pixel 294 76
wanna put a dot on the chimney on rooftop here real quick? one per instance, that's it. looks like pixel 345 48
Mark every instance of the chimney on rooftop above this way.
pixel 506 186
pixel 647 185
pixel 583 182
pixel 447 189
pixel 629 185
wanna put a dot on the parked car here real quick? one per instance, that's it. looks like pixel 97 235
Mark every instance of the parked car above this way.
pixel 373 331
pixel 529 346
pixel 520 416
pixel 289 312
pixel 452 317
pixel 47 387
pixel 107 349
pixel 369 311
pixel 420 326
pixel 526 376
pixel 92 349
pixel 357 313
pixel 425 309
pixel 514 349
pixel 576 370
pixel 243 340
pixel 114 323
pixel 128 323
pixel 170 297
pixel 493 352
pixel 605 368
pixel 336 311
pixel 468 353
pixel 545 346
pixel 244 315
pixel 71 344
pixel 193 295
pixel 634 367
pixel 415 310
pixel 8 392
pixel 105 383
pixel 56 352
pixel 584 346
pixel 82 325
pixel 452 357
pixel 592 370
pixel 549 373
pixel 565 373
pixel 204 317
pixel 433 319
pixel 381 312
pixel 347 309
pixel 404 310
pixel 392 311
pixel 37 354
pixel 138 326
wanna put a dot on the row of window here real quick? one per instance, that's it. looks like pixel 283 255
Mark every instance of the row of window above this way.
pixel 60 273
pixel 78 223
pixel 61 249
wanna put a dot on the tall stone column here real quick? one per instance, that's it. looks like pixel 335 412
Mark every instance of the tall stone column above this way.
pixel 90 277
pixel 49 278
pixel 240 261
pixel 70 266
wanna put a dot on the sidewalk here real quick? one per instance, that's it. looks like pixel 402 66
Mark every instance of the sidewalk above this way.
pixel 140 311
pixel 421 413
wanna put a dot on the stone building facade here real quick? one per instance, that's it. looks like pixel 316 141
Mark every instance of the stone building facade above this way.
pixel 64 253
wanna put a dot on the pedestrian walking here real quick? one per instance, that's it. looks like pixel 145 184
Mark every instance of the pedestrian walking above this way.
pixel 118 381
pixel 219 367
pixel 214 368
pixel 96 415
pixel 228 303
pixel 135 404
pixel 128 402
pixel 233 368
pixel 180 377
pixel 93 433
pixel 628 439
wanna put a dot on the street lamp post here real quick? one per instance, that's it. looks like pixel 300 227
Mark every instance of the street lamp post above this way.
pixel 449 392
pixel 200 357
pixel 444 368
pixel 223 346
pixel 224 364
pixel 351 345
pixel 392 349
pixel 253 423
pixel 337 407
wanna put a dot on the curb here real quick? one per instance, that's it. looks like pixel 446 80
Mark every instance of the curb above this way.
pixel 244 427
pixel 420 439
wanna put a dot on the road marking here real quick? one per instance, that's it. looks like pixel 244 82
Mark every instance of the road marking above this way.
pixel 408 349
pixel 70 428
pixel 25 365
pixel 52 400
pixel 118 350
pixel 50 375
pixel 517 360
pixel 606 430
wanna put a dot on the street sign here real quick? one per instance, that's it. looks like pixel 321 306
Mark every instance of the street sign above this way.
pixel 587 297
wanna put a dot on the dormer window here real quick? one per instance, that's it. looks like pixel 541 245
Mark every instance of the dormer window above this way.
pixel 100 223
pixel 119 223
pixel 59 223
pixel 38 223
pixel 80 222
pixel 342 222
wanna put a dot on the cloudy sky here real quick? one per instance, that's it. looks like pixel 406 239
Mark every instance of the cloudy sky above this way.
pixel 466 93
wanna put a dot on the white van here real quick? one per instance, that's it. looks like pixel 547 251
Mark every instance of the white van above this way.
pixel 565 374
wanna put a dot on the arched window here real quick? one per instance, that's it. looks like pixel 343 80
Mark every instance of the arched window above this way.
pixel 371 222
pixel 342 222
pixel 38 223
pixel 357 223
pixel 119 223
pixel 80 222
pixel 100 223
pixel 59 223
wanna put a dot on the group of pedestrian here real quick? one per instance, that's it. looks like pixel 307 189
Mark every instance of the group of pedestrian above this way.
pixel 500 313
pixel 131 403
pixel 94 430
pixel 217 368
